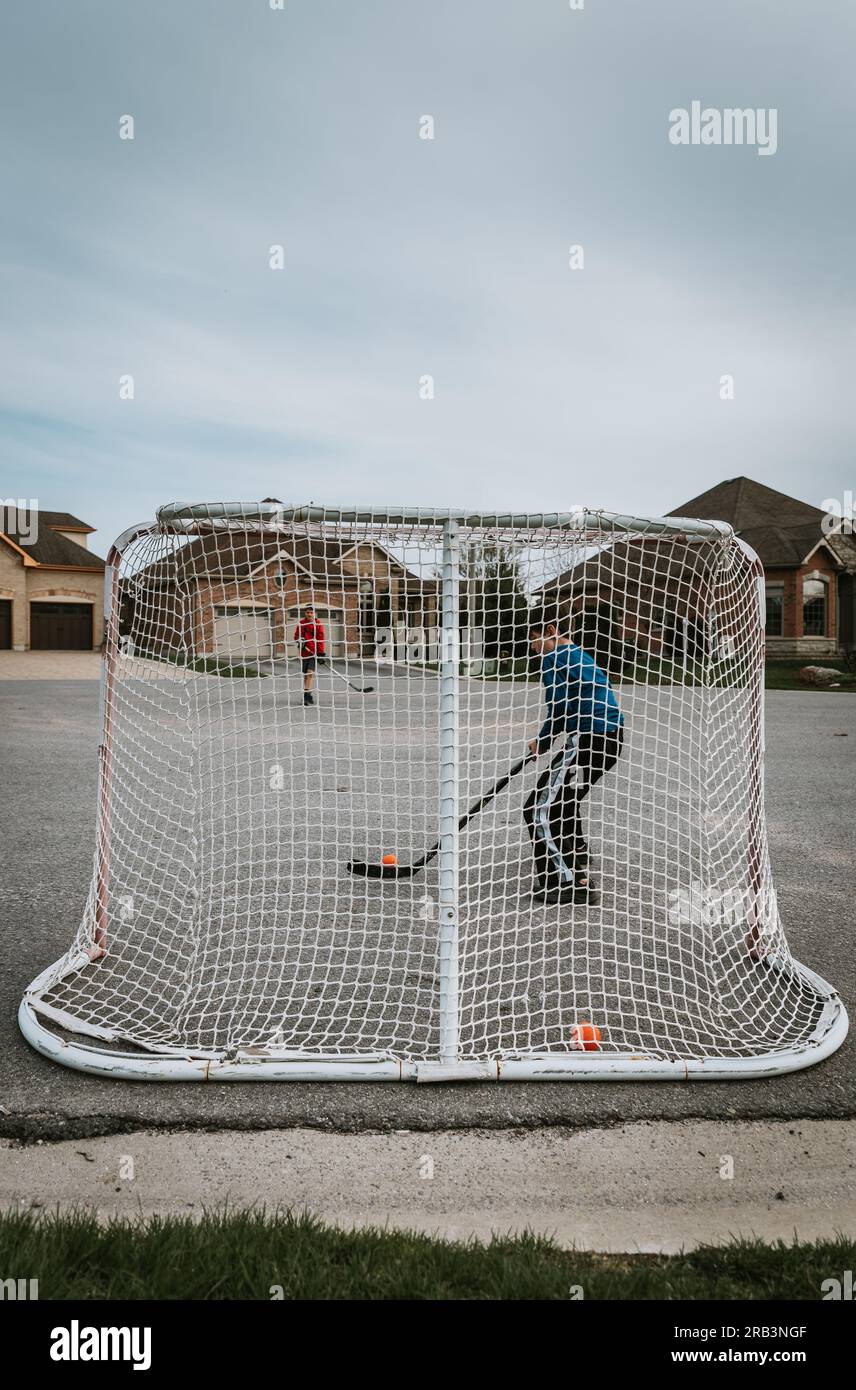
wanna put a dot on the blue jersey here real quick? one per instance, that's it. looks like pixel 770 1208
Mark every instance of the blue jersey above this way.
pixel 580 699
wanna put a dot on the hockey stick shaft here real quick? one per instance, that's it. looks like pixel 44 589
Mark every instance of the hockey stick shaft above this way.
pixel 360 689
pixel 406 871
pixel 475 809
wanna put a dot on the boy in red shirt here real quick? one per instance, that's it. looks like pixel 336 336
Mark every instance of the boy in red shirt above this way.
pixel 309 636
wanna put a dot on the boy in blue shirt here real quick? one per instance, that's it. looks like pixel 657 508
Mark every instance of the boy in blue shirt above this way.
pixel 580 704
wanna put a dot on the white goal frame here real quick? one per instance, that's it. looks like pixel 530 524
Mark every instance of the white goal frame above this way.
pixel 60 1036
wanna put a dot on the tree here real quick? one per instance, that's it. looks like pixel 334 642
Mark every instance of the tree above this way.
pixel 494 599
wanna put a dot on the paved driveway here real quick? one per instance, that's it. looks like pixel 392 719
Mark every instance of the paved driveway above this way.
pixel 49 666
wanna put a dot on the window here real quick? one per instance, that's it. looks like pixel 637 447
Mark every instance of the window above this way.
pixel 775 610
pixel 383 613
pixel 814 608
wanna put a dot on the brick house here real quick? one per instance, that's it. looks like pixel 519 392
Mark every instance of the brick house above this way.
pixel 636 599
pixel 238 597
pixel 662 608
pixel 51 584
pixel 810 575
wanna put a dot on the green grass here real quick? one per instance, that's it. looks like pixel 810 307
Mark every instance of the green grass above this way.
pixel 660 670
pixel 241 1255
pixel 208 665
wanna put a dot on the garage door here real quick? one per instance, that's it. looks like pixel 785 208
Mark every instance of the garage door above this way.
pixel 333 622
pixel 5 624
pixel 242 633
pixel 61 627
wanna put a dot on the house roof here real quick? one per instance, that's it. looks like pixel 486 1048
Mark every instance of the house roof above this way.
pixel 216 553
pixel 64 521
pixel 641 570
pixel 51 549
pixel 317 554
pixel 781 529
pixel 229 556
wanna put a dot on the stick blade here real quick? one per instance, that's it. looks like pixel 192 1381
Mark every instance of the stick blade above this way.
pixel 363 870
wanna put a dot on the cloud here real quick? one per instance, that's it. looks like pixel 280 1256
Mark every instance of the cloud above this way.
pixel 405 257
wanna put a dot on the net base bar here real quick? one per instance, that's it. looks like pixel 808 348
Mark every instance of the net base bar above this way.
pixel 829 1034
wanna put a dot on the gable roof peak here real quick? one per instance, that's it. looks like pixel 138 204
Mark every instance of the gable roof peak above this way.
pixel 782 529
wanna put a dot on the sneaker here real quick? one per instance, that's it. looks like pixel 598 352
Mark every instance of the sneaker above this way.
pixel 581 891
pixel 585 888
pixel 307 698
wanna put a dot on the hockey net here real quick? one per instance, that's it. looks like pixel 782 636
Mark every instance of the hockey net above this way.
pixel 226 931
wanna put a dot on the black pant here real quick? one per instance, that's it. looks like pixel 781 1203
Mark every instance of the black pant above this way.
pixel 552 810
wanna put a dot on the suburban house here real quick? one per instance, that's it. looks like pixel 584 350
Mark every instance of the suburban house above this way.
pixel 239 599
pixel 637 599
pixel 809 567
pixel 51 584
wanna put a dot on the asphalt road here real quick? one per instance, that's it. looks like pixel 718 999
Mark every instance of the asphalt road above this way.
pixel 48 740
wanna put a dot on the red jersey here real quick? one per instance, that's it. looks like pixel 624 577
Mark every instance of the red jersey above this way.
pixel 309 634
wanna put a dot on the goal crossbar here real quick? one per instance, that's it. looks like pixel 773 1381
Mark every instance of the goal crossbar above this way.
pixel 580 519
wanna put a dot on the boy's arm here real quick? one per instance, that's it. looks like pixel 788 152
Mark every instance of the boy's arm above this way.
pixel 545 734
pixel 319 639
pixel 563 700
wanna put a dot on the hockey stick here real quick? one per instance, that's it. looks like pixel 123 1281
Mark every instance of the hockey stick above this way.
pixel 357 866
pixel 360 689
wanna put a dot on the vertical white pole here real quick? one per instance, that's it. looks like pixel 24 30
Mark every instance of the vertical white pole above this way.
pixel 759 911
pixel 106 715
pixel 449 796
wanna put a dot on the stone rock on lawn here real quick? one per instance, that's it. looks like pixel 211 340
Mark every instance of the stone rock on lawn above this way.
pixel 819 675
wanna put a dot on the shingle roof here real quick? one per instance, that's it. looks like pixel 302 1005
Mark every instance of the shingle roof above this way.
pixel 52 548
pixel 233 555
pixel 641 569
pixel 220 553
pixel 781 529
pixel 64 520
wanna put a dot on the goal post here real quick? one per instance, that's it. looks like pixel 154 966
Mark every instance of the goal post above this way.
pixel 412 794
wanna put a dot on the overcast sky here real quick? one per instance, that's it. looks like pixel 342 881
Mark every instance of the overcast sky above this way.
pixel 407 257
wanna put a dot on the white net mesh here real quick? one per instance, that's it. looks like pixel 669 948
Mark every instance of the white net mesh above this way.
pixel 260 760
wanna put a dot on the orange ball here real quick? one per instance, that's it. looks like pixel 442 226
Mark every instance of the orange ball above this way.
pixel 390 859
pixel 585 1037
